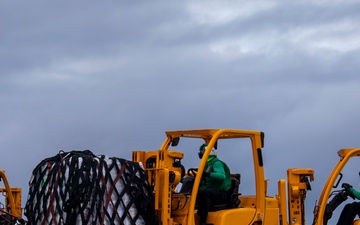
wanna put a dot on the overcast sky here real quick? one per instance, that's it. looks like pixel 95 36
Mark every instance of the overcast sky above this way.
pixel 112 77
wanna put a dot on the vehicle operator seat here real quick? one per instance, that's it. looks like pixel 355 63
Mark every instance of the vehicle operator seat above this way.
pixel 234 200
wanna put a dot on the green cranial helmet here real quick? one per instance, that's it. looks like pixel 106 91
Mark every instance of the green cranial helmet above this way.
pixel 203 148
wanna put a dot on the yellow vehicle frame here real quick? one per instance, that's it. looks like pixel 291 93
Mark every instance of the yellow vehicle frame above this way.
pixel 258 209
pixel 12 197
pixel 319 211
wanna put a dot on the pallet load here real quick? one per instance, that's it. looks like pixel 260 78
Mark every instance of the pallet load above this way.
pixel 78 187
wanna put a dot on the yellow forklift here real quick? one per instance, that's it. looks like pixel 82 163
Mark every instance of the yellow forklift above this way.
pixel 173 207
pixel 10 209
pixel 335 192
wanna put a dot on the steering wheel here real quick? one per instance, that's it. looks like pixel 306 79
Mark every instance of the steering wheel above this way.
pixel 192 172
pixel 347 189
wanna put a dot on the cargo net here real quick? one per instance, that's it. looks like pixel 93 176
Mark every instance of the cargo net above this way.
pixel 78 187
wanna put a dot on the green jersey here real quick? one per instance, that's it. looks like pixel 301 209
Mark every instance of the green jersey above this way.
pixel 219 178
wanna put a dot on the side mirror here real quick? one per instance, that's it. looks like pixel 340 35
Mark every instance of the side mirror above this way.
pixel 175 142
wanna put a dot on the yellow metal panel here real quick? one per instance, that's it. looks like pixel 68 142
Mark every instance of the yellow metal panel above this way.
pixel 238 216
pixel 282 202
pixel 271 216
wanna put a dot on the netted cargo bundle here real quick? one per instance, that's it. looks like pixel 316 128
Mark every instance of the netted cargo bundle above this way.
pixel 79 188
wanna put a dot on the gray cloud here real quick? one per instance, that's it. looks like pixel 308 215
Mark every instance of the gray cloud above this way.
pixel 113 77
